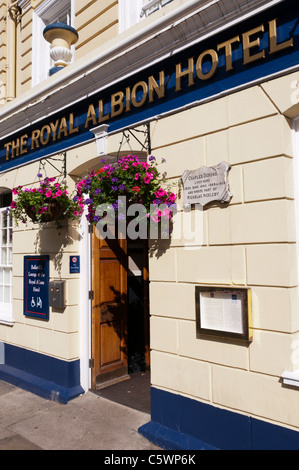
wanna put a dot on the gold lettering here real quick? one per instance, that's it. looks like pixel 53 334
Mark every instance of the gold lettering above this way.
pixel 214 56
pixel 91 116
pixel 102 118
pixel 154 87
pixel 23 146
pixel 7 147
pixel 274 47
pixel 248 44
pixel 128 99
pixel 63 128
pixel 179 74
pixel 54 128
pixel 45 130
pixel 34 139
pixel 227 45
pixel 117 100
pixel 144 87
pixel 15 148
pixel 73 129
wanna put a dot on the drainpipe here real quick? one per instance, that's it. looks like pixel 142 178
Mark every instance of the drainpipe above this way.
pixel 13 18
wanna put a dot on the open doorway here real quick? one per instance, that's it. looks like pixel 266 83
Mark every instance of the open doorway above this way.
pixel 120 321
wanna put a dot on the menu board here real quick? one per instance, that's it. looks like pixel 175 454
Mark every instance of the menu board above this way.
pixel 224 312
pixel 36 286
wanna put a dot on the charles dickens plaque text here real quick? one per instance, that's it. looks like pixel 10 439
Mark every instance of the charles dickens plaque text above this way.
pixel 206 184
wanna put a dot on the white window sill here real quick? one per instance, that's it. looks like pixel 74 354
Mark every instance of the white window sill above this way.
pixel 290 378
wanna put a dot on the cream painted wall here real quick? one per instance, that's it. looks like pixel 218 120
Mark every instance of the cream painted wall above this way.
pixel 58 337
pixel 251 242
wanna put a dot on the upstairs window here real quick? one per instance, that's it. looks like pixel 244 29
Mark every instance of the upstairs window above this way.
pixel 133 11
pixel 150 6
pixel 48 12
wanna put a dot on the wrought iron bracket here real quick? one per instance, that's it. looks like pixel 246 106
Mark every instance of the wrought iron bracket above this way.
pixel 141 136
pixel 61 158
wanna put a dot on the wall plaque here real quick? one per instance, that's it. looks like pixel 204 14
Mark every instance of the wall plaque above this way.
pixel 224 312
pixel 36 286
pixel 206 184
pixel 74 264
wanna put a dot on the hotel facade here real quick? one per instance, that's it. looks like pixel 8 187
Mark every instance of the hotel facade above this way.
pixel 212 311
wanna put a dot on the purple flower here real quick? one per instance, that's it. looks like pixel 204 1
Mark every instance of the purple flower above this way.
pixel 88 201
pixel 97 218
pixel 39 175
pixel 121 187
pixel 152 158
pixel 114 188
pixel 98 191
pixel 115 205
pixel 75 198
pixel 103 160
pixel 114 180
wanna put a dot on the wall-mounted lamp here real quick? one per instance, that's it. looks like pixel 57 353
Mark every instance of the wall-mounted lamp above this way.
pixel 61 37
pixel 101 133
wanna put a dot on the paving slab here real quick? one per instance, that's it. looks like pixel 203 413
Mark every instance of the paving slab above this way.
pixel 89 422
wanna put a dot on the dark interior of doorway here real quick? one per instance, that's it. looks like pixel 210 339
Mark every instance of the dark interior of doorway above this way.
pixel 135 392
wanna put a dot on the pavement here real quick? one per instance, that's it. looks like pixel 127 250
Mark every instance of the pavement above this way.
pixel 88 422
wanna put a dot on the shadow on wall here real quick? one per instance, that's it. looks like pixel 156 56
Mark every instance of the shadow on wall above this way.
pixel 53 241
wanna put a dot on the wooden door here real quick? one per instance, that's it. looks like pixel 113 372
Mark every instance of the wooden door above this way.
pixel 109 315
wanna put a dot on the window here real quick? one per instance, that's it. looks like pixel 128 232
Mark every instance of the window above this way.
pixel 5 259
pixel 129 16
pixel 150 6
pixel 49 11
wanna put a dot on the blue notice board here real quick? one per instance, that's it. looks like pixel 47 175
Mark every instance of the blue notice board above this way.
pixel 36 286
pixel 74 264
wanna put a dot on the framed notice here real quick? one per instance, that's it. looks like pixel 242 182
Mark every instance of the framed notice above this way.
pixel 224 312
pixel 36 286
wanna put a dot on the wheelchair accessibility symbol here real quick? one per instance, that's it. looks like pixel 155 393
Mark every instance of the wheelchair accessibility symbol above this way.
pixel 38 303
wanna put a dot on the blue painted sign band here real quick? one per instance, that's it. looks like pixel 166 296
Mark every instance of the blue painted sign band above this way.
pixel 256 48
pixel 36 286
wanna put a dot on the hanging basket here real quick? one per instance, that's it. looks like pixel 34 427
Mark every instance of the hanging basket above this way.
pixel 54 212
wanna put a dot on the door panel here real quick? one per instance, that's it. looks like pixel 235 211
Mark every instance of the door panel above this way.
pixel 109 315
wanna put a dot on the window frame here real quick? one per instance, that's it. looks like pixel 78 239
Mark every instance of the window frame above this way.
pixel 6 310
pixel 46 13
pixel 129 16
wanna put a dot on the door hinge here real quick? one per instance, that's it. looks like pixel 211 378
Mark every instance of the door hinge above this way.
pixel 91 295
pixel 91 363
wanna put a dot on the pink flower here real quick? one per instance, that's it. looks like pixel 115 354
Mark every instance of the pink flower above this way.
pixel 160 193
pixel 58 193
pixel 13 205
pixel 137 176
pixel 172 197
pixel 48 193
pixel 148 178
pixel 15 191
